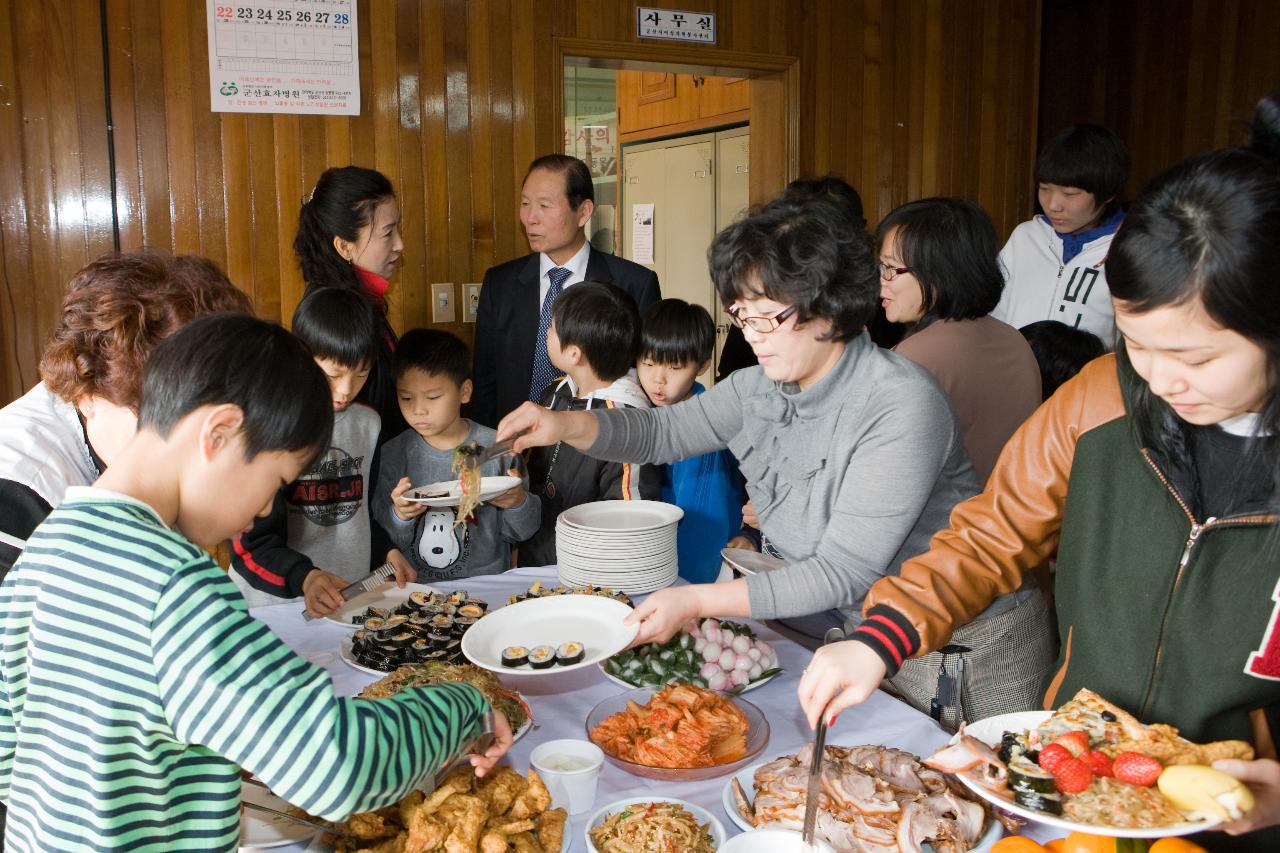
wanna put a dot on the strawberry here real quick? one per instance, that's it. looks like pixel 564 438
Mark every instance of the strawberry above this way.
pixel 1052 755
pixel 1136 769
pixel 1072 776
pixel 1077 742
pixel 1099 762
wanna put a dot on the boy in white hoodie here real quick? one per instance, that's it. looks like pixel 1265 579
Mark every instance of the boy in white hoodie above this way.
pixel 1054 263
pixel 594 339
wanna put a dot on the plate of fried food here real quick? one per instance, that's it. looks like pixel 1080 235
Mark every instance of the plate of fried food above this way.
pixel 678 732
pixel 504 811
pixel 1092 767
pixel 654 823
pixel 872 796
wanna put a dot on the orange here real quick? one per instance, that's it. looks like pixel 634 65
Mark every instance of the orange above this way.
pixel 1175 845
pixel 1016 844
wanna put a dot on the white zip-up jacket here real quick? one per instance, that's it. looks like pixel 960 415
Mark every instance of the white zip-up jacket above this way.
pixel 1038 286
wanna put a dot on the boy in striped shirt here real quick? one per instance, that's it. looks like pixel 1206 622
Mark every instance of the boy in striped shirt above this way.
pixel 133 683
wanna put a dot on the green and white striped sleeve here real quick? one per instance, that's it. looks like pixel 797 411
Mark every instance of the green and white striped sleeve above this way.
pixel 229 684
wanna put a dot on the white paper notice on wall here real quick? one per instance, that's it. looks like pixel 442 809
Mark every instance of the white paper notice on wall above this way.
pixel 284 56
pixel 642 233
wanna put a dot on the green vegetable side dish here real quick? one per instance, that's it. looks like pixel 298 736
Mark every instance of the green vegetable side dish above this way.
pixel 714 654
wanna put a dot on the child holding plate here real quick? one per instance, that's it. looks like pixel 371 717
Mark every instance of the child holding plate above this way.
pixel 433 381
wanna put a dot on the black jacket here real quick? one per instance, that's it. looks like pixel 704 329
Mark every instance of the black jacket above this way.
pixel 562 477
pixel 507 323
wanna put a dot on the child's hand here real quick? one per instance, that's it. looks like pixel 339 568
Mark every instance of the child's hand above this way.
pixel 322 592
pixel 406 510
pixel 749 517
pixel 405 573
pixel 502 740
pixel 513 496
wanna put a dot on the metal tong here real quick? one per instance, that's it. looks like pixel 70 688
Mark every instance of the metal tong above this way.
pixel 375 578
pixel 482 454
pixel 813 794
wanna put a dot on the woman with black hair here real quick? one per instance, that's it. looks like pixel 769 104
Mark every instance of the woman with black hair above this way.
pixel 939 279
pixel 1155 475
pixel 1055 263
pixel 349 237
pixel 850 453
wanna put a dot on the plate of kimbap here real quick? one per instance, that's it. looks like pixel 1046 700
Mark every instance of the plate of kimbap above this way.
pixel 386 600
pixel 542 636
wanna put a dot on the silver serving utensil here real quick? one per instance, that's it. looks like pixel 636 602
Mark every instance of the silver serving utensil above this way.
pixel 813 794
pixel 302 821
pixel 477 744
pixel 483 454
pixel 375 578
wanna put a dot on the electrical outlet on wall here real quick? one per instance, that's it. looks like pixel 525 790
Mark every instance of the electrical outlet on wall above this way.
pixel 442 303
pixel 470 301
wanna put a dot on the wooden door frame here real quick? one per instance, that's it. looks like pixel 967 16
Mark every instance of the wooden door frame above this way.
pixel 775 90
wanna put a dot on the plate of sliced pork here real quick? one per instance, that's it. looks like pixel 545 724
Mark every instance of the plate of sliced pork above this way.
pixel 873 798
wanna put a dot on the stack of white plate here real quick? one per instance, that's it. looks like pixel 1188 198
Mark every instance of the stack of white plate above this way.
pixel 625 545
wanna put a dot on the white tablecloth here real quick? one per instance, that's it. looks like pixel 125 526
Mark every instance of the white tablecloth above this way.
pixel 561 703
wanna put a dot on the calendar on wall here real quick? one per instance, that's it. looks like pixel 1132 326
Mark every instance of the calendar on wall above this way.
pixel 284 56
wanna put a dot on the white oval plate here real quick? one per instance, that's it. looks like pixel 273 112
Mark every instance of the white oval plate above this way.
pixel 992 729
pixel 747 776
pixel 749 562
pixel 621 516
pixel 751 686
pixel 588 619
pixel 490 487
pixel 387 596
pixel 259 830
pixel 700 814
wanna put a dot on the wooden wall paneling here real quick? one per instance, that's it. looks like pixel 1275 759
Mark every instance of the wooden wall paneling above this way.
pixel 286 133
pixel 18 338
pixel 434 257
pixel 483 165
pixel 146 48
pixel 503 224
pixel 91 100
pixel 411 182
pixel 825 69
pixel 210 186
pixel 869 183
pixel 459 145
pixel 176 79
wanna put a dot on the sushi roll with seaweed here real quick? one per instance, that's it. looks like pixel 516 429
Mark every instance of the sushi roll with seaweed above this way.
pixel 542 657
pixel 570 653
pixel 513 656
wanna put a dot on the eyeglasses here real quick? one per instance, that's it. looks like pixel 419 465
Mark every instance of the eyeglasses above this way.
pixel 889 273
pixel 763 325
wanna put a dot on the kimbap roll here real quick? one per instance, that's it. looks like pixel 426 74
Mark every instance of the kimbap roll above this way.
pixel 514 656
pixel 542 657
pixel 470 611
pixel 375 623
pixel 419 598
pixel 569 653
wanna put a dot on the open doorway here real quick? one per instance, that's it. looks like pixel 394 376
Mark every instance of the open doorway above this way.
pixel 677 150
pixel 669 156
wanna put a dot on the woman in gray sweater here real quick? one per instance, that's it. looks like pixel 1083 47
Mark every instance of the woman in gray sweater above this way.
pixel 851 455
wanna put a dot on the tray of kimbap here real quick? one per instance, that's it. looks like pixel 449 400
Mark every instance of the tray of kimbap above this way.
pixel 384 600
pixel 426 627
pixel 550 634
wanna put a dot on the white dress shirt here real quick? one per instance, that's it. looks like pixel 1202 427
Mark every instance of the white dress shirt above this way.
pixel 577 267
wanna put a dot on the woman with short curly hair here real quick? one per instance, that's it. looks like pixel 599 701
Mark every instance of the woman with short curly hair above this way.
pixel 66 430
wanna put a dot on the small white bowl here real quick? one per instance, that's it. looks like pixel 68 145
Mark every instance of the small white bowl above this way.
pixel 700 814
pixel 574 790
pixel 772 841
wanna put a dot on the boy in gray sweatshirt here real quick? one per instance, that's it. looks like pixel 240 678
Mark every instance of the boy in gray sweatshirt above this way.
pixel 432 370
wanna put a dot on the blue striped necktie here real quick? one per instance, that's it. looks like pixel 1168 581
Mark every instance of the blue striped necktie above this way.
pixel 543 371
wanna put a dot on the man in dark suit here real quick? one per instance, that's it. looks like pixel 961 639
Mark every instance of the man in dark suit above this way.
pixel 556 203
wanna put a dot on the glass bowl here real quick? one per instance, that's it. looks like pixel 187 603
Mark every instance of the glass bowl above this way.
pixel 757 737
